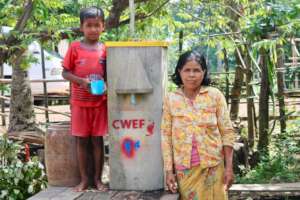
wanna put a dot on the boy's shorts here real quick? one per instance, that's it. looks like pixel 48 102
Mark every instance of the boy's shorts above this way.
pixel 89 121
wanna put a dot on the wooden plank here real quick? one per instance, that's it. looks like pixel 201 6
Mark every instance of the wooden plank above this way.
pixel 169 197
pixel 121 195
pixel 292 64
pixel 94 195
pixel 294 58
pixel 41 108
pixel 68 194
pixel 65 193
pixel 4 114
pixel 217 73
pixel 280 187
pixel 7 81
pixel 32 137
pixel 56 193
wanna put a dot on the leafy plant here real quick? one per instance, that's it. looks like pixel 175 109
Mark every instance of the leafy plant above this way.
pixel 18 180
pixel 280 165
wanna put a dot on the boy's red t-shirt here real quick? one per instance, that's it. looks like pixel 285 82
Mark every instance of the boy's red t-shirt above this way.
pixel 88 63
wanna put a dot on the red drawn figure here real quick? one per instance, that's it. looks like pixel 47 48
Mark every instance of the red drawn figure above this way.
pixel 129 147
pixel 150 129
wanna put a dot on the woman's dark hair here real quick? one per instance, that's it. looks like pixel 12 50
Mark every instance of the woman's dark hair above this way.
pixel 183 59
pixel 91 12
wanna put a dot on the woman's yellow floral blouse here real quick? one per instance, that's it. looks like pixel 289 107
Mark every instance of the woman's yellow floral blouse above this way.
pixel 207 119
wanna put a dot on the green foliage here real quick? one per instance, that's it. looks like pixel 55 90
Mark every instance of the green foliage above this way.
pixel 271 170
pixel 4 87
pixel 18 180
pixel 219 81
pixel 281 165
pixel 281 16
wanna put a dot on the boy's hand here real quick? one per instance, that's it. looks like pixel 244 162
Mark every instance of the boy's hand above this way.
pixel 85 83
pixel 105 88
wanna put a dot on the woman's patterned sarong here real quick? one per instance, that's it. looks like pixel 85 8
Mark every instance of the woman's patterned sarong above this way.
pixel 202 184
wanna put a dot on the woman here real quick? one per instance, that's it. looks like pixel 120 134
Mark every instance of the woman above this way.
pixel 197 135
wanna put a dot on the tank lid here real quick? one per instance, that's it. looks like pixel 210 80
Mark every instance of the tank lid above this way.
pixel 137 44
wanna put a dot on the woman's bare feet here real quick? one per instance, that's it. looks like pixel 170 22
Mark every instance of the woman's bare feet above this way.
pixel 100 186
pixel 82 186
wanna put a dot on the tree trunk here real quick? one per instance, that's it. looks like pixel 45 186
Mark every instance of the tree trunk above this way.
pixel 236 90
pixel 280 85
pixel 250 103
pixel 21 105
pixel 239 76
pixel 263 141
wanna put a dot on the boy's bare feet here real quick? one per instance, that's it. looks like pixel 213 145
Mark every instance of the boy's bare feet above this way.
pixel 100 186
pixel 82 186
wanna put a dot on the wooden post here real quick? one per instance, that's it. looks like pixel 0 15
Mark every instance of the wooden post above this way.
pixel 295 53
pixel 44 84
pixel 132 18
pixel 2 100
pixel 226 67
pixel 236 89
pixel 250 102
pixel 280 86
pixel 263 141
pixel 180 41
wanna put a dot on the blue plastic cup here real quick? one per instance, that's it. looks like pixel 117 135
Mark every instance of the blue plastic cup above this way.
pixel 97 87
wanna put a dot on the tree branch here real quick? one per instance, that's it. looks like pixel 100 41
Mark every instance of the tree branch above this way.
pixel 20 26
pixel 112 21
pixel 118 7
pixel 25 16
pixel 143 16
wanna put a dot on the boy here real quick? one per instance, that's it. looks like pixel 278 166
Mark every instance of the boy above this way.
pixel 83 63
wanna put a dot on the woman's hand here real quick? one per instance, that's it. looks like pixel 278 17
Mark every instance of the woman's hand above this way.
pixel 171 182
pixel 228 178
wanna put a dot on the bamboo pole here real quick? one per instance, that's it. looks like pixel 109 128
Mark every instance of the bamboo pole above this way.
pixel 132 18
pixel 44 84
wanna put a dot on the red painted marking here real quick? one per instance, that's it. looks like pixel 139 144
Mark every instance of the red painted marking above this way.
pixel 125 123
pixel 141 123
pixel 128 123
pixel 134 123
pixel 150 129
pixel 114 124
pixel 127 146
